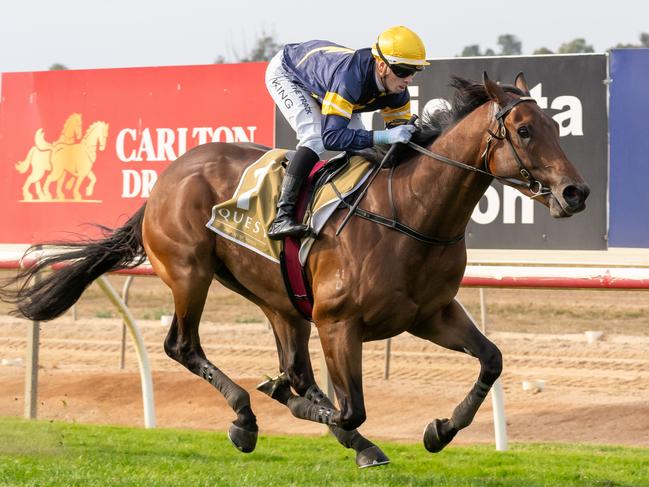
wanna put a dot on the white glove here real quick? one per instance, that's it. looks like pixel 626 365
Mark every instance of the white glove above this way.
pixel 401 133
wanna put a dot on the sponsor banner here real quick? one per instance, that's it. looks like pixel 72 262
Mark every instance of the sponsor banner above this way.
pixel 629 146
pixel 87 146
pixel 572 90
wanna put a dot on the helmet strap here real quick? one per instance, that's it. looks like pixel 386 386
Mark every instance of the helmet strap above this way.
pixel 378 49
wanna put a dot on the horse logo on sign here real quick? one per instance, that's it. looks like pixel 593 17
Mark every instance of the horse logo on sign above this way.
pixel 68 161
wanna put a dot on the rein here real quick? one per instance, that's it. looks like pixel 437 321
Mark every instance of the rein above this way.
pixel 533 185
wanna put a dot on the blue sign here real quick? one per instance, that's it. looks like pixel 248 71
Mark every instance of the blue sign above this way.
pixel 629 148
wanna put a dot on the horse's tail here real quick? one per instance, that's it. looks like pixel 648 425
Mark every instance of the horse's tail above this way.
pixel 40 142
pixel 23 166
pixel 79 265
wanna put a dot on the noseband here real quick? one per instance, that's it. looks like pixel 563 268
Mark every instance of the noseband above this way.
pixel 533 185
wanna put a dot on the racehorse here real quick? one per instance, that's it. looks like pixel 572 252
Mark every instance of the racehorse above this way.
pixel 39 156
pixel 369 283
pixel 77 160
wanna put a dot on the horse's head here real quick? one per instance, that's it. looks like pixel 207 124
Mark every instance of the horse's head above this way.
pixel 96 135
pixel 103 135
pixel 524 146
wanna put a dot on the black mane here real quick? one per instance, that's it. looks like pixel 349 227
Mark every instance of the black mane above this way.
pixel 468 96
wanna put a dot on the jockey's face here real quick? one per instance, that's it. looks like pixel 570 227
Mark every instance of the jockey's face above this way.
pixel 391 82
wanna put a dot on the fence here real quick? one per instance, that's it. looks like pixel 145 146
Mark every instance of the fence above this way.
pixel 481 276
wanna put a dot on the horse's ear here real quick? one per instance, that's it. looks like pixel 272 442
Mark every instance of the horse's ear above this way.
pixel 521 83
pixel 495 92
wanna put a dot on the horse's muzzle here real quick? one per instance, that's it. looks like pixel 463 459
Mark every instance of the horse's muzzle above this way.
pixel 570 199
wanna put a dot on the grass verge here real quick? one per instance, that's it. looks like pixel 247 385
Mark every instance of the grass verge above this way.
pixel 63 454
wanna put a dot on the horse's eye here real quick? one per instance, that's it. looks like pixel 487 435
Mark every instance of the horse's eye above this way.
pixel 524 132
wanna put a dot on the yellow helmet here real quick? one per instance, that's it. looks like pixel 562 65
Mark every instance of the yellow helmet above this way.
pixel 400 45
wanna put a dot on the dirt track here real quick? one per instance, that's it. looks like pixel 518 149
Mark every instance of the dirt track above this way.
pixel 595 393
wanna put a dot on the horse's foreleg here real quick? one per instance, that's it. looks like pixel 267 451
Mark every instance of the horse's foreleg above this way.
pixel 183 345
pixel 292 339
pixel 292 346
pixel 342 345
pixel 367 453
pixel 455 329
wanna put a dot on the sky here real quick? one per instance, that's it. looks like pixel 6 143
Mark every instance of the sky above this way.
pixel 83 34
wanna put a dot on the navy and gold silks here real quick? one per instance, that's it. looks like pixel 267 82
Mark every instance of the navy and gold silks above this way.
pixel 343 82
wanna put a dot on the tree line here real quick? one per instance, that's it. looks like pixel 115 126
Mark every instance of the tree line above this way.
pixel 266 46
pixel 510 45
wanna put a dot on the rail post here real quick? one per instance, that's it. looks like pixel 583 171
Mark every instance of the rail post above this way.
pixel 142 355
pixel 497 393
pixel 31 366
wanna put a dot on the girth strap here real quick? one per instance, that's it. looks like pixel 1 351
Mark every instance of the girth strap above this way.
pixel 405 229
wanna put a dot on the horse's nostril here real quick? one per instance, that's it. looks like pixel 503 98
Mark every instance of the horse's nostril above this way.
pixel 574 195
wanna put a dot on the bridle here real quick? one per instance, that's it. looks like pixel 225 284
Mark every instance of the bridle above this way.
pixel 533 185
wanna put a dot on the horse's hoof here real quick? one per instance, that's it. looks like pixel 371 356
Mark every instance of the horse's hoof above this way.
pixel 243 440
pixel 371 457
pixel 268 386
pixel 278 388
pixel 434 440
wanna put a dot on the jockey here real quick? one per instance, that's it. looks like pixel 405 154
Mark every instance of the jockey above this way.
pixel 321 88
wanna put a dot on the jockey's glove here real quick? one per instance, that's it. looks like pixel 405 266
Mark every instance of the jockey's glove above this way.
pixel 402 134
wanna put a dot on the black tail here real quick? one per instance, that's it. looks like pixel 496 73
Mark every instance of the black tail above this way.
pixel 82 263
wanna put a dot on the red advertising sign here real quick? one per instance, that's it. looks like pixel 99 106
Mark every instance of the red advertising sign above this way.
pixel 82 147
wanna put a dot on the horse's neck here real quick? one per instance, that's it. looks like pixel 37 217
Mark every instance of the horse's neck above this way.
pixel 443 196
pixel 90 141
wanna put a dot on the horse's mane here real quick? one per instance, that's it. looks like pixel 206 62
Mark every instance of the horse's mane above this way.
pixel 468 96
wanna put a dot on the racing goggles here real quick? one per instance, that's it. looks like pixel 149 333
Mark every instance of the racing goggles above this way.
pixel 399 70
pixel 404 70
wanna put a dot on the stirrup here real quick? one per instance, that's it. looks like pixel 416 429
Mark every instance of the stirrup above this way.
pixel 289 229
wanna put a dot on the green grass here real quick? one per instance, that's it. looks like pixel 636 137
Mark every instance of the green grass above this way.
pixel 62 454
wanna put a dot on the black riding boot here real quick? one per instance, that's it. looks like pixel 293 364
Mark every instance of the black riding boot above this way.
pixel 298 169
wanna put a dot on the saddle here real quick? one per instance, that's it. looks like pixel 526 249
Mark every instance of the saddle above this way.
pixel 244 218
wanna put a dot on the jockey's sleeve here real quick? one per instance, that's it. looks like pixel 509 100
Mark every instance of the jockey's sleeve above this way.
pixel 338 105
pixel 336 135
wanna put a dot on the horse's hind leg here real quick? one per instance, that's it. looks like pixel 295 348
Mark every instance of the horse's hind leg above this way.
pixel 91 185
pixel 34 178
pixel 454 329
pixel 183 345
pixel 292 338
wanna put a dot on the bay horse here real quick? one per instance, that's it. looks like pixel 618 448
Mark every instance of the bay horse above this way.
pixel 369 283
